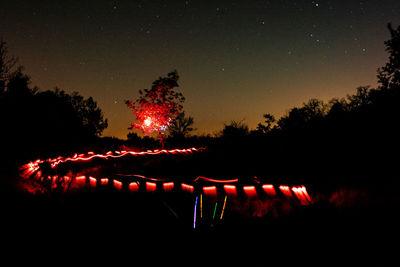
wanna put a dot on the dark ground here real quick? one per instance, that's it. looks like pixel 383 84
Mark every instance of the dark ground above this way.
pixel 90 228
pixel 348 224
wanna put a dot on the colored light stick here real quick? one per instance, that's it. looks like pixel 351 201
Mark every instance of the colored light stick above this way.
pixel 223 207
pixel 201 205
pixel 215 209
pixel 171 210
pixel 195 211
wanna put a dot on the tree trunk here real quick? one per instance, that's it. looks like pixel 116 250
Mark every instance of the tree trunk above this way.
pixel 161 139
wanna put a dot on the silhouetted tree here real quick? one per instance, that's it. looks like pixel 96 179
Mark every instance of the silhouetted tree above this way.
pixel 7 65
pixel 156 109
pixel 181 127
pixel 297 118
pixel 133 137
pixel 337 106
pixel 235 129
pixel 269 120
pixel 87 111
pixel 360 98
pixel 43 121
pixel 389 75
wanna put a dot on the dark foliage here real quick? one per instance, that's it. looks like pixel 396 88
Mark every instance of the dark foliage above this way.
pixel 351 140
pixel 41 123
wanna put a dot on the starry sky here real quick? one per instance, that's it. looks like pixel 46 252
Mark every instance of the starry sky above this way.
pixel 236 59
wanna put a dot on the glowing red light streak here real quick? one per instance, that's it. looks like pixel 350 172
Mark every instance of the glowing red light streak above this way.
pixel 285 190
pixel 230 189
pixel 188 188
pixel 269 189
pixel 215 180
pixel 117 184
pixel 210 190
pixel 304 190
pixel 134 187
pixel 142 177
pixel 151 187
pixel 104 181
pixel 31 167
pixel 54 181
pixel 67 179
pixel 301 194
pixel 250 190
pixel 80 180
pixel 168 186
pixel 92 181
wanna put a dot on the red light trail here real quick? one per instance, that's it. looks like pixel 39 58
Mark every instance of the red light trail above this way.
pixel 31 167
pixel 212 188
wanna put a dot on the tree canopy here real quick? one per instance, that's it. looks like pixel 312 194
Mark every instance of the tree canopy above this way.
pixel 389 75
pixel 34 120
pixel 157 108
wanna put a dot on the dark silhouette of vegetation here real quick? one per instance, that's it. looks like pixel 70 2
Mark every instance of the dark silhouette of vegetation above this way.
pixel 389 75
pixel 42 122
pixel 234 129
pixel 182 127
pixel 270 123
pixel 7 65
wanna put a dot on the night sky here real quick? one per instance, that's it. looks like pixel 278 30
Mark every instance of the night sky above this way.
pixel 237 59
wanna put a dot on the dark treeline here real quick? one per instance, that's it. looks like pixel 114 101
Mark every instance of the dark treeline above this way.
pixel 42 123
pixel 347 140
